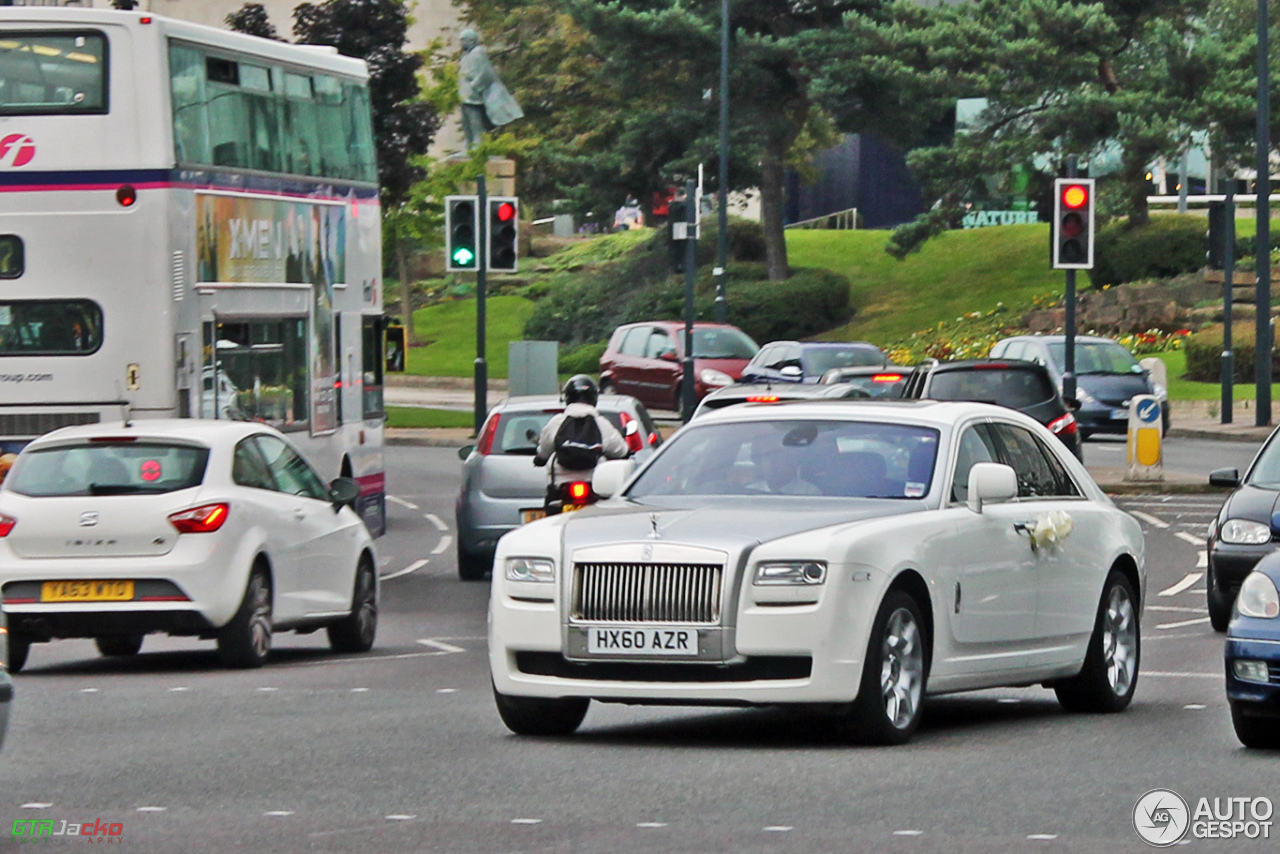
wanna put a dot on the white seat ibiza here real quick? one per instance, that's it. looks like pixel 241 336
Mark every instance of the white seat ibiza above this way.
pixel 214 529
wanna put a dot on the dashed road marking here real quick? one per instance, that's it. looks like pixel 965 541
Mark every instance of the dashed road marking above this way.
pixel 446 690
pixel 1190 579
pixel 1194 707
pixel 1183 623
pixel 1202 560
pixel 778 828
pixel 151 809
pixel 1043 837
pixel 444 648
pixel 652 824
pixel 1189 538
pixel 413 567
pixel 526 821
pixel 908 833
pixel 1149 519
pixel 400 817
pixel 278 813
pixel 1178 609
pixel 402 502
pixel 435 520
pixel 359 690
pixel 443 545
pixel 36 805
pixel 88 690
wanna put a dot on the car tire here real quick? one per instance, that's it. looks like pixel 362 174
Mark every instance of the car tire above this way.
pixel 1109 676
pixel 891 695
pixel 245 642
pixel 19 648
pixel 118 646
pixel 471 567
pixel 1219 602
pixel 541 715
pixel 356 631
pixel 1164 421
pixel 1256 732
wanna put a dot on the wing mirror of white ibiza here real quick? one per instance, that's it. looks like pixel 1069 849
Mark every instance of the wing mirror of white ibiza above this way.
pixel 990 483
pixel 610 475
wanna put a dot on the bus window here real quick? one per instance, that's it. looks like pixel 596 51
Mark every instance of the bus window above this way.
pixel 262 373
pixel 53 72
pixel 190 118
pixel 50 327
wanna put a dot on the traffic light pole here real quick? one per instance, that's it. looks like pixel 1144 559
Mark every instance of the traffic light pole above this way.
pixel 482 265
pixel 1069 374
pixel 688 396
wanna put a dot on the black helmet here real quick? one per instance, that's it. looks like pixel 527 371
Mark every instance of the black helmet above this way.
pixel 581 389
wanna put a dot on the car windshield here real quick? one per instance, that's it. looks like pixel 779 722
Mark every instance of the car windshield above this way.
pixel 854 459
pixel 1097 357
pixel 722 344
pixel 819 360
pixel 108 468
pixel 1266 472
pixel 1014 388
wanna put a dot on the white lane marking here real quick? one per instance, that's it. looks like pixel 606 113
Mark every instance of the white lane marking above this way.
pixel 435 520
pixel 151 809
pixel 652 824
pixel 526 821
pixel 1189 538
pixel 1194 707
pixel 443 545
pixel 1202 560
pixel 88 690
pixel 268 688
pixel 445 648
pixel 413 567
pixel 446 690
pixel 402 502
pixel 1043 837
pixel 36 805
pixel 1190 579
pixel 1179 636
pixel 1180 609
pixel 1183 623
pixel 359 690
pixel 778 828
pixel 1149 519
pixel 908 833
pixel 401 817
pixel 278 813
pixel 1173 674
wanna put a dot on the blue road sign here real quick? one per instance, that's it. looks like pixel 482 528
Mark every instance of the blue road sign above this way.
pixel 1149 411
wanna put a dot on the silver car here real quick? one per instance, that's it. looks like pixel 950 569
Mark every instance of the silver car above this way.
pixel 500 481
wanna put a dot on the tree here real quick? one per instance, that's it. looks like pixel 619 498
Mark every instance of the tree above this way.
pixel 251 18
pixel 125 5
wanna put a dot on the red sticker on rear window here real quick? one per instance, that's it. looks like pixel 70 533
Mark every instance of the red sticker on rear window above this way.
pixel 151 470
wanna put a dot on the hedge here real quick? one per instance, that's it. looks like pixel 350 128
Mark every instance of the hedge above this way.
pixel 1204 353
pixel 1168 245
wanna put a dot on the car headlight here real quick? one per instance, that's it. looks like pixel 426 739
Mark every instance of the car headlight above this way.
pixel 1242 532
pixel 530 569
pixel 1258 597
pixel 791 572
pixel 710 376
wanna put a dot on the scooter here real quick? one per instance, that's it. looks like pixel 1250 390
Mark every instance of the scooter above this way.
pixel 569 496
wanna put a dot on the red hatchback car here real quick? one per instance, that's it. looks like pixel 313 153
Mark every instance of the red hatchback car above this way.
pixel 646 360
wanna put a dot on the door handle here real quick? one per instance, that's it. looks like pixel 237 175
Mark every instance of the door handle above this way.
pixel 299 514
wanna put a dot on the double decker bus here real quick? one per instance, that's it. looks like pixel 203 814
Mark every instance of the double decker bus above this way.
pixel 189 227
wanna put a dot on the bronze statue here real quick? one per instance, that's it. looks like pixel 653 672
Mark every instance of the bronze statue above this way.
pixel 486 103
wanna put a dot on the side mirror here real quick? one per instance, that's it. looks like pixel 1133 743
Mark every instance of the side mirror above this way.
pixel 1224 477
pixel 990 483
pixel 668 356
pixel 465 451
pixel 791 372
pixel 1072 403
pixel 610 475
pixel 343 491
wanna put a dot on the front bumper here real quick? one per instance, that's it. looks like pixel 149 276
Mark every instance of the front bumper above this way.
pixel 1260 698
pixel 1232 563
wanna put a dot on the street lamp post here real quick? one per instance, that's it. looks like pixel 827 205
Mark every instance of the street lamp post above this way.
pixel 722 244
pixel 1262 351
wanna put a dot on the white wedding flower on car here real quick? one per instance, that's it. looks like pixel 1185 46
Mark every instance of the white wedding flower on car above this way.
pixel 1051 529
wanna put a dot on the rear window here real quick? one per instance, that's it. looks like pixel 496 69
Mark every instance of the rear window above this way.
pixel 51 72
pixel 518 432
pixel 108 468
pixel 1016 389
pixel 822 359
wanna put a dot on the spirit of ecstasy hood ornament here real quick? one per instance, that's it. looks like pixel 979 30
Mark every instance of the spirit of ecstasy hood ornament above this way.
pixel 653 523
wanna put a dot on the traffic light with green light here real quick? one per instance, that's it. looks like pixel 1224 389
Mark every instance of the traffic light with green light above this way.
pixel 1073 219
pixel 504 233
pixel 461 227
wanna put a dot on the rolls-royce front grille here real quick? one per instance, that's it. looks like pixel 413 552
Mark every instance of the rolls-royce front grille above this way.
pixel 646 592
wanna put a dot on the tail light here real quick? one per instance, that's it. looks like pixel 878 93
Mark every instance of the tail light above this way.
pixel 204 519
pixel 6 524
pixel 762 398
pixel 1064 426
pixel 485 445
pixel 579 490
pixel 653 438
pixel 631 432
pixel 887 378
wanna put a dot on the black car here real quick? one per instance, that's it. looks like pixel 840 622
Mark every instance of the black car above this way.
pixel 1025 386
pixel 1244 530
pixel 806 361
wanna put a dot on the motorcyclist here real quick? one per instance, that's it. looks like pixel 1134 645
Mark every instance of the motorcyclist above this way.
pixel 580 395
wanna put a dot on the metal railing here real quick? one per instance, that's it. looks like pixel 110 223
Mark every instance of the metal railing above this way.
pixel 845 219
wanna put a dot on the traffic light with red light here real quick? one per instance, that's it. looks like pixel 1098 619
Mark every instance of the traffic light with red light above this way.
pixel 461 227
pixel 504 234
pixel 1073 216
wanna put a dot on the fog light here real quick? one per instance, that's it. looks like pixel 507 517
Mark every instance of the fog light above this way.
pixel 1250 671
